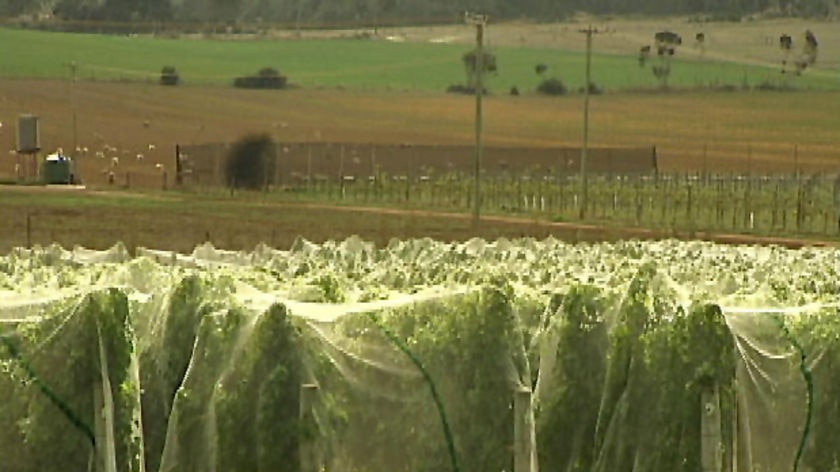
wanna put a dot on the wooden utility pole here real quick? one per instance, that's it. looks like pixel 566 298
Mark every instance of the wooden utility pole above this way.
pixel 584 156
pixel 74 67
pixel 480 22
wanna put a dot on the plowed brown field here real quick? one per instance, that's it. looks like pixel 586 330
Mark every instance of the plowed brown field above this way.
pixel 757 131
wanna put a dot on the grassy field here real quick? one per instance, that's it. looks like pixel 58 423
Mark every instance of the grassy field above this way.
pixel 384 91
pixel 366 64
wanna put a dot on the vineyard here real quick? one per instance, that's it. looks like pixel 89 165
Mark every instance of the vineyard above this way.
pixel 748 204
pixel 419 355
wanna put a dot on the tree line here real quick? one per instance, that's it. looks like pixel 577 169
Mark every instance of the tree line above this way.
pixel 383 12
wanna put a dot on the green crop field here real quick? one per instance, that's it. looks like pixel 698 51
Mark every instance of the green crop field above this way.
pixel 356 63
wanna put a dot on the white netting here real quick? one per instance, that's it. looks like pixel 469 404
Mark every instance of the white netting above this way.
pixel 506 355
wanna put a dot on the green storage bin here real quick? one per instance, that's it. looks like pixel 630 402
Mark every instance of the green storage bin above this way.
pixel 58 169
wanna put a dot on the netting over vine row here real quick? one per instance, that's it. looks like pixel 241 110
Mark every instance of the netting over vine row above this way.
pixel 421 356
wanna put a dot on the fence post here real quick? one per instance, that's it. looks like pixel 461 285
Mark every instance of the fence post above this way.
pixel 522 447
pixel 98 427
pixel 711 440
pixel 309 182
pixel 28 231
pixel 309 461
pixel 688 209
pixel 276 180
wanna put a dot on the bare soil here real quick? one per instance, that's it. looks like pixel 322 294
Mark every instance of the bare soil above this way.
pixel 131 127
pixel 179 222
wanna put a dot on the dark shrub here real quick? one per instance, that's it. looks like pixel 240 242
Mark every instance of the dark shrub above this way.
pixel 552 86
pixel 250 162
pixel 169 76
pixel 266 78
pixel 593 89
pixel 463 89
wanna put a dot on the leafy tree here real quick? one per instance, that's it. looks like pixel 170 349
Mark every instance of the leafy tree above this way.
pixel 470 61
pixel 666 43
pixel 15 7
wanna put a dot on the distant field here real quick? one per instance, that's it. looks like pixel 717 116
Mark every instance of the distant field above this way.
pixel 367 64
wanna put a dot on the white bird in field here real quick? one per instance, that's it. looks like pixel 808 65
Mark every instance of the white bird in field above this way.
pixel 100 154
pixel 159 166
pixel 139 156
pixel 85 150
pixel 151 147
pixel 115 160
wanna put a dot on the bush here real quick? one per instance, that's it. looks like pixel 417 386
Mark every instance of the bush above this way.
pixel 594 89
pixel 266 78
pixel 463 89
pixel 169 76
pixel 552 86
pixel 249 162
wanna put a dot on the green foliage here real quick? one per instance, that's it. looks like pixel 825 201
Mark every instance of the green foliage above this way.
pixel 463 89
pixel 467 345
pixel 250 162
pixel 552 86
pixel 353 64
pixel 819 336
pixel 620 339
pixel 660 361
pixel 330 288
pixel 169 76
pixel 63 353
pixel 567 418
pixel 164 364
pixel 373 12
pixel 470 59
pixel 211 357
pixel 257 403
pixel 266 78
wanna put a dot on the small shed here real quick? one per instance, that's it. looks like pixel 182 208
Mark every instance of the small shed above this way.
pixel 58 169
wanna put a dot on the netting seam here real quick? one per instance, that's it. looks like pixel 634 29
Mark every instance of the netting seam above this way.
pixel 47 391
pixel 447 431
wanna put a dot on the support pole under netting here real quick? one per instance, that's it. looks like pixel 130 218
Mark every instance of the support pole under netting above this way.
pixel 523 444
pixel 711 453
pixel 103 404
pixel 309 457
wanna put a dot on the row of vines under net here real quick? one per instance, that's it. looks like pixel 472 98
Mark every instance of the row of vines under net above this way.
pixel 189 370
